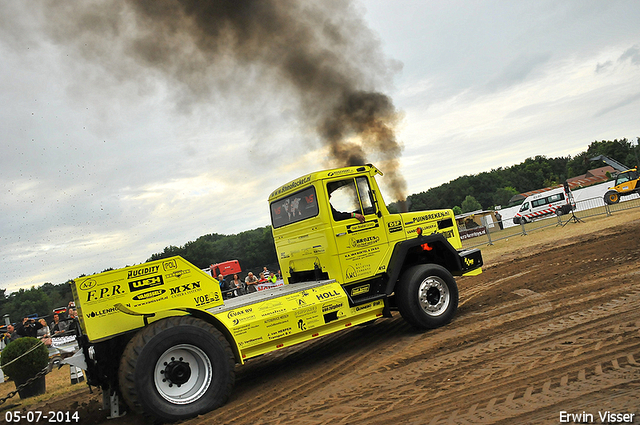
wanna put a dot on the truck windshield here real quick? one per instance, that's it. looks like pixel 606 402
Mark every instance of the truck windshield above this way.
pixel 296 207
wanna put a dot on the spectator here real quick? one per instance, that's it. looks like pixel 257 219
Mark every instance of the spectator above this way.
pixel 72 321
pixel 70 306
pixel 57 326
pixel 43 333
pixel 224 287
pixel 44 330
pixel 272 277
pixel 265 271
pixel 251 281
pixel 11 334
pixel 262 278
pixel 28 327
pixel 236 284
pixel 499 218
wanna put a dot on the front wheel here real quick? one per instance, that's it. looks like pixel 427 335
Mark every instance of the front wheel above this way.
pixel 427 296
pixel 612 197
pixel 177 368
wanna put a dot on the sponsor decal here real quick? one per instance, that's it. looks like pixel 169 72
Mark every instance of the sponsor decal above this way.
pixel 95 295
pixel 360 290
pixel 205 299
pixel 149 301
pixel 101 313
pixel 394 226
pixel 362 226
pixel 340 172
pixel 149 294
pixel 276 320
pixel 143 271
pixel 363 307
pixel 249 342
pixel 185 288
pixel 243 329
pixel 364 241
pixel 169 265
pixel 88 284
pixel 307 311
pixel 271 313
pixel 270 305
pixel 177 274
pixel 238 313
pixel 351 273
pixel 429 217
pixel 301 325
pixel 279 333
pixel 292 185
pixel 326 295
pixel 478 231
pixel 327 307
pixel 146 283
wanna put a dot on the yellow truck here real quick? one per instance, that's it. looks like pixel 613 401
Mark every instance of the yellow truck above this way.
pixel 161 337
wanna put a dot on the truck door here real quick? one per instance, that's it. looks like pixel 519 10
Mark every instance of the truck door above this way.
pixel 361 247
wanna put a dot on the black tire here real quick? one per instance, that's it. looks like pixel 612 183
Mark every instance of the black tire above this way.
pixel 612 197
pixel 177 368
pixel 427 296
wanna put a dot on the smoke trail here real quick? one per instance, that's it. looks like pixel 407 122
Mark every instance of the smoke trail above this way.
pixel 322 51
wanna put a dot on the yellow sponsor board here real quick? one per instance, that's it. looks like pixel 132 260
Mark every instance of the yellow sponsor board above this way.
pixel 151 288
pixel 268 325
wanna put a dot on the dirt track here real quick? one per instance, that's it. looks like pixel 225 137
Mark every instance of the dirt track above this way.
pixel 555 331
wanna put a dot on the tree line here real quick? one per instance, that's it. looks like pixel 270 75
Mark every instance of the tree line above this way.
pixel 255 248
pixel 496 187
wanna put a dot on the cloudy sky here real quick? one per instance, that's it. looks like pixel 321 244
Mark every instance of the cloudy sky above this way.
pixel 108 158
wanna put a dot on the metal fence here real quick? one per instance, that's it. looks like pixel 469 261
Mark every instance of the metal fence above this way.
pixel 491 233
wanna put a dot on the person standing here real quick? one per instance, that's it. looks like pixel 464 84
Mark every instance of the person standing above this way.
pixel 236 284
pixel 11 335
pixel 57 326
pixel 499 218
pixel 28 327
pixel 251 281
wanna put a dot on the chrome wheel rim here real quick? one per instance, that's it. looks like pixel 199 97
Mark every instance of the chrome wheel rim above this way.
pixel 434 296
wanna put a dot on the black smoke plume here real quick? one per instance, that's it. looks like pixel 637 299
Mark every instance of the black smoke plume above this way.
pixel 322 52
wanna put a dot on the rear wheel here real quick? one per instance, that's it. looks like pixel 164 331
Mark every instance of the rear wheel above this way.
pixel 612 197
pixel 177 368
pixel 427 296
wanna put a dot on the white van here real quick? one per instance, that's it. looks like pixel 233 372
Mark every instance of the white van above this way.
pixel 556 201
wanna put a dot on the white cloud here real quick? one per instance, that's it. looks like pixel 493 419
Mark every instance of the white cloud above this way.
pixel 99 170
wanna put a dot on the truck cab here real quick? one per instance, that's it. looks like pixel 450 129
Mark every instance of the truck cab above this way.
pixel 318 235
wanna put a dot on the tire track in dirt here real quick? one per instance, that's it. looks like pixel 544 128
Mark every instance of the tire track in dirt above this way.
pixel 541 339
pixel 305 358
pixel 506 370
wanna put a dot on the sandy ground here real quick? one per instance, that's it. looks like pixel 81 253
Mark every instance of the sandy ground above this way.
pixel 550 329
